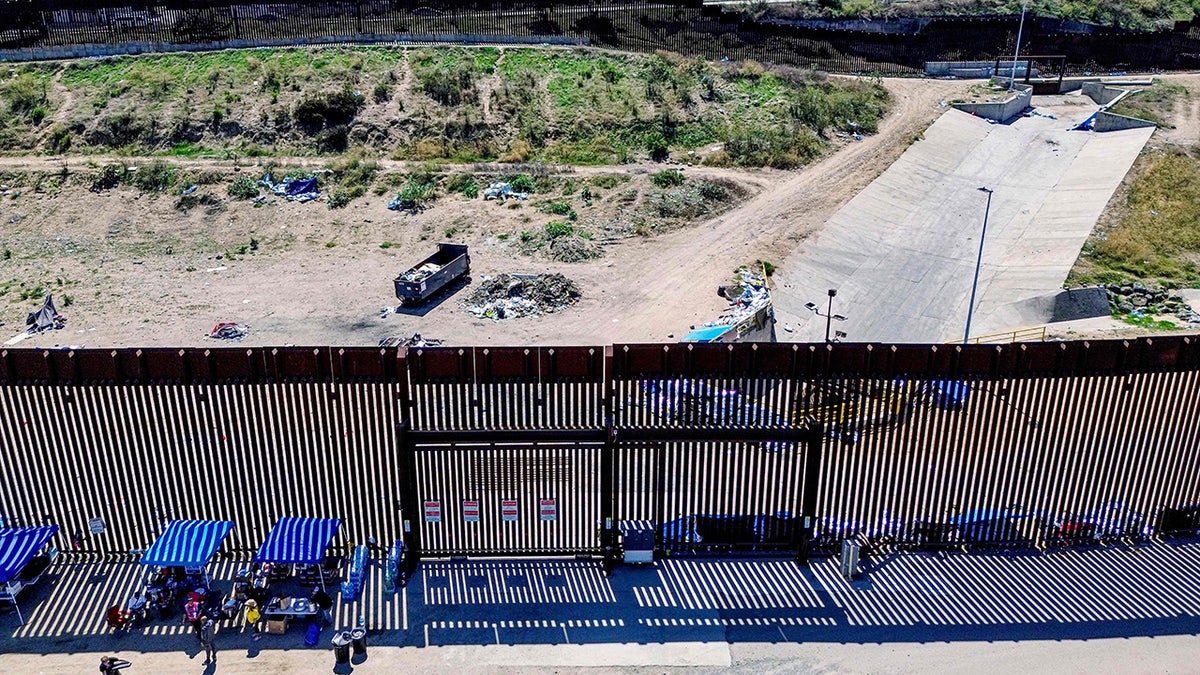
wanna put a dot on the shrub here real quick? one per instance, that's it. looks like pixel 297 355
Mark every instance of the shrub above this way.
pixel 556 229
pixel 343 196
pixel 518 151
pixel 463 183
pixel 657 146
pixel 60 140
pixel 521 183
pixel 667 179
pixel 24 94
pixel 243 187
pixel 382 92
pixel 109 177
pixel 331 109
pixel 154 177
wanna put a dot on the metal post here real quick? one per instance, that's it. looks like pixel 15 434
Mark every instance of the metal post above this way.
pixel 978 263
pixel 1012 80
pixel 808 496
pixel 608 469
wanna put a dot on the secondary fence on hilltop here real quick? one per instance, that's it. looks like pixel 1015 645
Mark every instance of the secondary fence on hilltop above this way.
pixel 753 448
pixel 41 29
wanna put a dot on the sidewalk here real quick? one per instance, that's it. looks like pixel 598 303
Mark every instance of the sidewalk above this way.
pixel 1126 609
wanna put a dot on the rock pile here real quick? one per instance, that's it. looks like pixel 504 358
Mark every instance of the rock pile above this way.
pixel 507 296
pixel 1139 299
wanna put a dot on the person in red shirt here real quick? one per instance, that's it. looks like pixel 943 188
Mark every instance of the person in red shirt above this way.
pixel 193 613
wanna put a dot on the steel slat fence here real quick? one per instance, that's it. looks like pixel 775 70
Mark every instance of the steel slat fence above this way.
pixel 39 29
pixel 710 443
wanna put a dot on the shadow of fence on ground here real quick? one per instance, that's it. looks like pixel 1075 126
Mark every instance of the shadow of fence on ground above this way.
pixel 1150 589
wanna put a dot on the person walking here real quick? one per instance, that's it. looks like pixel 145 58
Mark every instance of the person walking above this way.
pixel 325 603
pixel 109 665
pixel 253 617
pixel 208 640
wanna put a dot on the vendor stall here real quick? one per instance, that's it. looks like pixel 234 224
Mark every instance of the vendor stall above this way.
pixel 300 543
pixel 188 544
pixel 20 564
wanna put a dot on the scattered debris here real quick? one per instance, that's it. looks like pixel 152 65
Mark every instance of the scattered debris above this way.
pixel 421 272
pixel 754 296
pixel 508 296
pixel 502 191
pixel 46 318
pixel 229 330
pixel 415 340
pixel 294 189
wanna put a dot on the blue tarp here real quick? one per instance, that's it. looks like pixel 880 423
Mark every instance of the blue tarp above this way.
pixel 18 545
pixel 294 189
pixel 705 334
pixel 187 543
pixel 298 540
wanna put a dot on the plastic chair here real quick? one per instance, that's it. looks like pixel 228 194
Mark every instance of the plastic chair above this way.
pixel 117 618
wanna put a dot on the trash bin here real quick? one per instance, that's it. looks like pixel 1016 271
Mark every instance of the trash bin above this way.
pixel 358 638
pixel 341 647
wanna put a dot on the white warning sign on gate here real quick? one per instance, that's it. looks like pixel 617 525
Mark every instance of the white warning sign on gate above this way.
pixel 548 509
pixel 471 510
pixel 433 512
pixel 508 509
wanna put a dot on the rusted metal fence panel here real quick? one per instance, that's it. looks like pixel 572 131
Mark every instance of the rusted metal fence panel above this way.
pixel 918 445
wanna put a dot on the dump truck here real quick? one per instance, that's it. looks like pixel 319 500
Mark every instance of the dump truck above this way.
pixel 423 280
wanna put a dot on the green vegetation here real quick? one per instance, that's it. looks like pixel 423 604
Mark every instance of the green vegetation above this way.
pixel 1153 104
pixel 667 179
pixel 1141 15
pixel 566 106
pixel 1157 237
pixel 243 187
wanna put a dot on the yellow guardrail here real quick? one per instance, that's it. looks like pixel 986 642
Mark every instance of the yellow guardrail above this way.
pixel 1037 334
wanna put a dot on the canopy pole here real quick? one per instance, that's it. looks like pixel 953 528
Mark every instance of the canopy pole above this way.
pixel 18 606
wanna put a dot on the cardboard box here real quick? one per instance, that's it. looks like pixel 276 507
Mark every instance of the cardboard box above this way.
pixel 276 626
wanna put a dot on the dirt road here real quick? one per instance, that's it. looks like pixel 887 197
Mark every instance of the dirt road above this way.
pixel 643 289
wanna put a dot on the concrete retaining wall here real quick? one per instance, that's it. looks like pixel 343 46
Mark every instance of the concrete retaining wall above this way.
pixel 1106 121
pixel 972 69
pixel 95 50
pixel 1001 110
pixel 1101 93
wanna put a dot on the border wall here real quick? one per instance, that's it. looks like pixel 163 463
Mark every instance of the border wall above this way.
pixel 845 438
pixel 38 29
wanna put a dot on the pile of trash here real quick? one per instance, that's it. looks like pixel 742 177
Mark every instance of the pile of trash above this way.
pixel 753 297
pixel 229 330
pixel 293 189
pixel 502 191
pixel 418 274
pixel 508 296
pixel 415 340
pixel 46 318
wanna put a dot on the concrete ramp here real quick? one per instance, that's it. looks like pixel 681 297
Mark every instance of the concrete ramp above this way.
pixel 902 253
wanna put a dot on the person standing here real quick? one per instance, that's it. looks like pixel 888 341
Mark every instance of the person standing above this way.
pixel 208 640
pixel 253 617
pixel 325 603
pixel 193 613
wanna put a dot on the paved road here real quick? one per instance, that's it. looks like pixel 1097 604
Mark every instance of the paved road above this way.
pixel 902 253
pixel 1115 610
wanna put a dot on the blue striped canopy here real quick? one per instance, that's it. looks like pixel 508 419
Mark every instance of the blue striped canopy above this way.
pixel 18 545
pixel 187 543
pixel 298 540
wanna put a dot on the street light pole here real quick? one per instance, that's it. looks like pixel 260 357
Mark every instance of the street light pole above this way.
pixel 1012 80
pixel 829 313
pixel 978 262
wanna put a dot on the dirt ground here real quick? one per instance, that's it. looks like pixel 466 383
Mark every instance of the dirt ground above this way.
pixel 320 277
